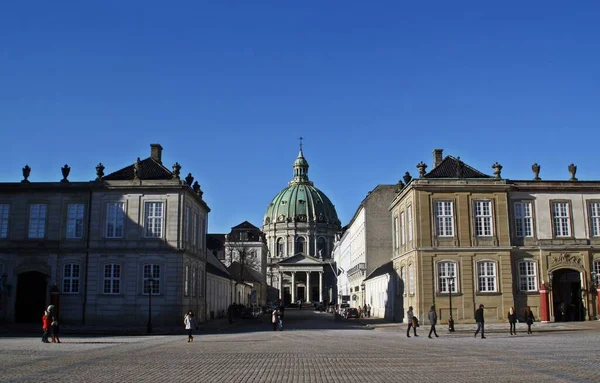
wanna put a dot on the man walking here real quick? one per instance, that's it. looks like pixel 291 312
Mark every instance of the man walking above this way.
pixel 432 315
pixel 479 319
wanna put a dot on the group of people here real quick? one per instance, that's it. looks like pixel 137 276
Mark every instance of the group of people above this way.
pixel 50 325
pixel 366 311
pixel 413 321
pixel 277 318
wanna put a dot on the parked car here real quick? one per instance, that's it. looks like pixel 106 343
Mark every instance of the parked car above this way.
pixel 351 312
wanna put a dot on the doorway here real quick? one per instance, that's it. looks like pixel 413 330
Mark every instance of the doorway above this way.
pixel 31 297
pixel 566 294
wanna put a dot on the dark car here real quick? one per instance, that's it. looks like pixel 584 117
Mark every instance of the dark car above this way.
pixel 351 312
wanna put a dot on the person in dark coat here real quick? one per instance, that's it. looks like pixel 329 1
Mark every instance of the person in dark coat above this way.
pixel 512 320
pixel 46 325
pixel 54 328
pixel 529 319
pixel 432 316
pixel 480 322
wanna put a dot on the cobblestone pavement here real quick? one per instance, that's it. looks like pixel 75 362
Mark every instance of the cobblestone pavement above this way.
pixel 312 348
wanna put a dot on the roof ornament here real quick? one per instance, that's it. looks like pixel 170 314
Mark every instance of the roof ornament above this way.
pixel 136 169
pixel 407 178
pixel 26 173
pixel 99 171
pixel 300 143
pixel 176 170
pixel 497 169
pixel 65 173
pixel 573 170
pixel 421 166
pixel 536 171
pixel 189 179
pixel 460 168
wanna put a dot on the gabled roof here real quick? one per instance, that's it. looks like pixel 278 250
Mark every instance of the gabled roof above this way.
pixel 216 267
pixel 249 274
pixel 452 167
pixel 386 268
pixel 150 169
pixel 245 225
pixel 300 259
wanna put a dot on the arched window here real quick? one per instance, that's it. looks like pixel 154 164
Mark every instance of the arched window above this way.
pixel 411 279
pixel 403 280
pixel 300 245
pixel 321 251
pixel 280 247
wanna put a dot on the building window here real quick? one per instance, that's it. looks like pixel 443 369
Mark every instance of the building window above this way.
pixel 561 219
pixel 595 218
pixel 200 284
pixel 321 247
pixel 202 233
pixel 71 279
pixel 194 281
pixel 444 218
pixel 527 276
pixel 486 272
pixel 597 267
pixel 115 216
pixel 523 219
pixel 280 247
pixel 402 228
pixel 152 279
pixel 447 277
pixel 75 220
pixel 410 222
pixel 411 279
pixel 37 220
pixel 4 211
pixel 195 230
pixel 188 223
pixel 112 279
pixel 396 242
pixel 299 245
pixel 154 219
pixel 186 281
pixel 403 277
pixel 483 218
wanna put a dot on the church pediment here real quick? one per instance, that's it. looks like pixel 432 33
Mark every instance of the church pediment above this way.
pixel 300 260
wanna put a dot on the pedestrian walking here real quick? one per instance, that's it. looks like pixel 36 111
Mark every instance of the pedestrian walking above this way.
pixel 432 316
pixel 190 324
pixel 54 329
pixel 480 322
pixel 369 310
pixel 512 320
pixel 529 319
pixel 46 324
pixel 275 319
pixel 365 311
pixel 413 322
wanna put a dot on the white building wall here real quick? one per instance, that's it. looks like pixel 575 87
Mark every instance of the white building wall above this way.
pixel 377 295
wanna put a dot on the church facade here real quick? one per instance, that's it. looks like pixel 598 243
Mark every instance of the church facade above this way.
pixel 300 225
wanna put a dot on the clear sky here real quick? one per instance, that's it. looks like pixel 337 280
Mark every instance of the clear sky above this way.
pixel 227 87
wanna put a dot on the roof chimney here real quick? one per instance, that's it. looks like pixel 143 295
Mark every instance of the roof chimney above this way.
pixel 156 152
pixel 438 157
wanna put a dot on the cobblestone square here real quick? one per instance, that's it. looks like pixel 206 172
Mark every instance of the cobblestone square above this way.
pixel 312 348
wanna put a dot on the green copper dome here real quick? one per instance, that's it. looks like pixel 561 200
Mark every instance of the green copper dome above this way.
pixel 301 201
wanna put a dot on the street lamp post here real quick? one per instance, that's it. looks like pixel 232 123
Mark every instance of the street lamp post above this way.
pixel 594 289
pixel 149 325
pixel 450 320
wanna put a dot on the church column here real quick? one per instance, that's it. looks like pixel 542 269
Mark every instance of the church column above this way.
pixel 280 285
pixel 308 287
pixel 320 286
pixel 293 286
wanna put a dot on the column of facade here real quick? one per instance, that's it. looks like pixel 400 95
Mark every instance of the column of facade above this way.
pixel 280 285
pixel 308 287
pixel 320 286
pixel 293 286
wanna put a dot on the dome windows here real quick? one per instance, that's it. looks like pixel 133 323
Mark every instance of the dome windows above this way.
pixel 300 242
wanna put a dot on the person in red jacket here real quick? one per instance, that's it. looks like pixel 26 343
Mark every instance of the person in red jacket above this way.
pixel 46 324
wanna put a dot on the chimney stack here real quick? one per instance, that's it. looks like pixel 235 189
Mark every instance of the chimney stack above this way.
pixel 437 157
pixel 156 152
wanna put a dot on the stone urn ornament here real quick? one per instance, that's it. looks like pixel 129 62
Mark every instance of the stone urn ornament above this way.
pixel 573 170
pixel 99 171
pixel 65 173
pixel 189 179
pixel 536 171
pixel 176 170
pixel 497 170
pixel 421 166
pixel 407 178
pixel 26 173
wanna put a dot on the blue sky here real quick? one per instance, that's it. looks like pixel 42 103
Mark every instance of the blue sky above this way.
pixel 227 87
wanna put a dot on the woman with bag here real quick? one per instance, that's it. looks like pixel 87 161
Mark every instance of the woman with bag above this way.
pixel 190 324
pixel 412 322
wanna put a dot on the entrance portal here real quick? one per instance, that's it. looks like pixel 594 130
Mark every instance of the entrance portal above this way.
pixel 566 293
pixel 31 297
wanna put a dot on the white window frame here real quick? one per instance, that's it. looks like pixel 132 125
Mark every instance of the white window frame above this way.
pixel 561 219
pixel 594 208
pixel 37 220
pixel 280 247
pixel 483 216
pixel 527 272
pixel 396 233
pixel 188 224
pixel 409 214
pixel 115 220
pixel 444 218
pixel 112 279
pixel 487 276
pixel 411 279
pixel 75 215
pixel 195 230
pixel 447 277
pixel 404 281
pixel 154 214
pixel 523 211
pixel 4 214
pixel 596 267
pixel 71 275
pixel 402 228
pixel 151 271
pixel 186 281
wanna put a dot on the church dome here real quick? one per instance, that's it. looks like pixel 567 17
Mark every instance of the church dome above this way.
pixel 301 201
